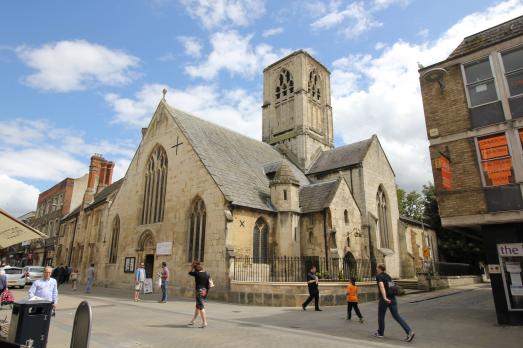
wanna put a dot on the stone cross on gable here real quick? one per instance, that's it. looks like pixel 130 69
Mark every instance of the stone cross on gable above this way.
pixel 177 144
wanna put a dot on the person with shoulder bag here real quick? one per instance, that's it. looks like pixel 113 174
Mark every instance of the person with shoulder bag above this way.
pixel 203 282
pixel 387 292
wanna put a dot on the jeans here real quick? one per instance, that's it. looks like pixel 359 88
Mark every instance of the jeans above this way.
pixel 164 290
pixel 350 306
pixel 393 307
pixel 316 297
pixel 89 285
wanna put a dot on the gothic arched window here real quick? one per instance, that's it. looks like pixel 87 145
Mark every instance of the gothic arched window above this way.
pixel 155 185
pixel 197 221
pixel 260 241
pixel 285 84
pixel 383 224
pixel 314 85
pixel 113 252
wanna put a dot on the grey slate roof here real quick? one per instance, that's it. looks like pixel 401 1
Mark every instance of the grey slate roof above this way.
pixel 489 37
pixel 411 221
pixel 317 196
pixel 235 162
pixel 102 195
pixel 341 157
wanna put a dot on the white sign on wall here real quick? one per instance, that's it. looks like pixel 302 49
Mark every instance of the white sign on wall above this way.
pixel 164 248
pixel 512 249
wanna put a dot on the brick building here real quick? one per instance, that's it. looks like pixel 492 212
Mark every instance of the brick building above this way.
pixel 52 205
pixel 473 104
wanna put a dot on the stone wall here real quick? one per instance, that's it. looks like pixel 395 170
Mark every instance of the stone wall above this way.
pixel 440 282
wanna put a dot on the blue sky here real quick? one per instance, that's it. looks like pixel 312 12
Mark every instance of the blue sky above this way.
pixel 83 77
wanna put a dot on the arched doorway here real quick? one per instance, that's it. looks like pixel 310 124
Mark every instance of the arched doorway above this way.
pixel 350 266
pixel 146 250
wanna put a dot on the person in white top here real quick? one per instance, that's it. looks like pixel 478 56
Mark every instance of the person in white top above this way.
pixel 139 279
pixel 45 288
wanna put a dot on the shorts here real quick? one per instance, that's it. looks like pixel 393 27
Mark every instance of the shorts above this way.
pixel 138 286
pixel 201 298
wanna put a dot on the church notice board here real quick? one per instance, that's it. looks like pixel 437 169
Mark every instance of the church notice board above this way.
pixel 511 265
pixel 495 160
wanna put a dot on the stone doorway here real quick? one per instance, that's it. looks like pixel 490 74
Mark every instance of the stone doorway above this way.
pixel 146 249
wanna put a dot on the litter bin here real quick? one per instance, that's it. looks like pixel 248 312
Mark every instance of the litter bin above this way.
pixel 30 320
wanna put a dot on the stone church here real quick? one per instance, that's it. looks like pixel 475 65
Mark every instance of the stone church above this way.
pixel 197 190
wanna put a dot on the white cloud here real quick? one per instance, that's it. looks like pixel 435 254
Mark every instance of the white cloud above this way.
pixel 236 54
pixel 359 17
pixel 225 13
pixel 383 4
pixel 272 32
pixel 235 109
pixel 380 94
pixel 423 33
pixel 17 197
pixel 76 65
pixel 167 57
pixel 191 45
pixel 36 150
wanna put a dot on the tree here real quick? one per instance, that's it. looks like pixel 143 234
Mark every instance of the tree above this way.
pixel 410 204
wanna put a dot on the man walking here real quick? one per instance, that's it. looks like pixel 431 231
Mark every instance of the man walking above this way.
pixel 90 278
pixel 164 276
pixel 387 299
pixel 139 279
pixel 45 288
pixel 314 293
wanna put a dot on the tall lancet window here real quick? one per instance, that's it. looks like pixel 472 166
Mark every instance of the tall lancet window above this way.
pixel 260 241
pixel 155 185
pixel 383 223
pixel 284 85
pixel 197 222
pixel 113 252
pixel 313 85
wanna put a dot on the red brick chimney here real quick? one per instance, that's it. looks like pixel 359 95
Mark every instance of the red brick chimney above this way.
pixel 94 172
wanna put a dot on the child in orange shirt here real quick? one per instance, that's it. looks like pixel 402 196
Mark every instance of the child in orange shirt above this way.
pixel 352 300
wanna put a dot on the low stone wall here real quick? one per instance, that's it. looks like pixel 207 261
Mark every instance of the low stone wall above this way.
pixel 270 294
pixel 294 294
pixel 440 282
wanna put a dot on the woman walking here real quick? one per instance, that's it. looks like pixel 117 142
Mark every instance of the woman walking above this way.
pixel 202 281
pixel 74 278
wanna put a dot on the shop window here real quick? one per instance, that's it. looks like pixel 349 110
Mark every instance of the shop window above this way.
pixel 480 83
pixel 496 163
pixel 513 64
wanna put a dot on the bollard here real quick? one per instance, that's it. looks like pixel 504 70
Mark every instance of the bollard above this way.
pixel 30 321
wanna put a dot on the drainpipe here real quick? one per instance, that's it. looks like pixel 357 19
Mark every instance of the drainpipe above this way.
pixel 72 242
pixel 325 237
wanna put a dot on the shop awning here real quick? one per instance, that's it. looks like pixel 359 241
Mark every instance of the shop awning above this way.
pixel 14 231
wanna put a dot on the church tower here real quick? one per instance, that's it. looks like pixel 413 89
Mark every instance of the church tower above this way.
pixel 297 112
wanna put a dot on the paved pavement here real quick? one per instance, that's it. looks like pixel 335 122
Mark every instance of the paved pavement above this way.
pixel 448 318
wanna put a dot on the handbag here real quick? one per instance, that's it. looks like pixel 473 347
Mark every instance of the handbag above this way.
pixel 211 283
pixel 159 282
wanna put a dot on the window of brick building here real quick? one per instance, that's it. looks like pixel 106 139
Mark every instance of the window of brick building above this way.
pixel 481 88
pixel 496 162
pixel 513 64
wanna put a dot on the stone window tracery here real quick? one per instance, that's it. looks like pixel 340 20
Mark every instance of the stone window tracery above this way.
pixel 197 222
pixel 314 85
pixel 113 252
pixel 155 186
pixel 285 85
pixel 260 241
pixel 383 225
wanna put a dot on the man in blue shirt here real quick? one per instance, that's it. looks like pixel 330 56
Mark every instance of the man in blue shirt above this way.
pixel 45 288
pixel 139 279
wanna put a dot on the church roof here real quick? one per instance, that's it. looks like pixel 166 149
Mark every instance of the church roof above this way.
pixel 235 162
pixel 285 175
pixel 502 32
pixel 341 157
pixel 316 197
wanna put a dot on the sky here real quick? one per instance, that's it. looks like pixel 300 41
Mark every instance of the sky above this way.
pixel 78 78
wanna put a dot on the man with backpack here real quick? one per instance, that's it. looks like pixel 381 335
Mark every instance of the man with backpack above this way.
pixel 387 300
